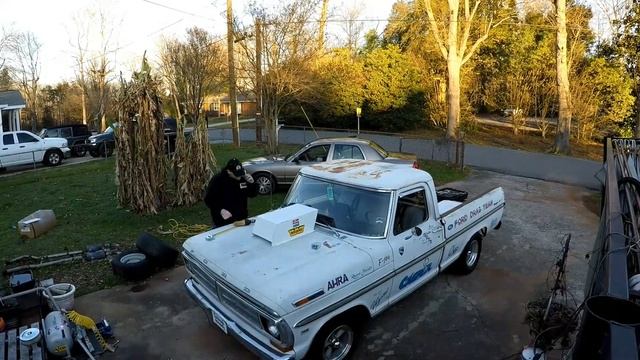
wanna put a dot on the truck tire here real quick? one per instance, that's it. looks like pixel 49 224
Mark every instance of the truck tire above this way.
pixel 131 265
pixel 79 150
pixel 336 340
pixel 160 253
pixel 53 157
pixel 469 257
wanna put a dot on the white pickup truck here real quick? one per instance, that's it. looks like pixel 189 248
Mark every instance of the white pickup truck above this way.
pixel 23 147
pixel 353 238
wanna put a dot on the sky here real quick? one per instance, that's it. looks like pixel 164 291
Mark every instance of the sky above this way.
pixel 139 25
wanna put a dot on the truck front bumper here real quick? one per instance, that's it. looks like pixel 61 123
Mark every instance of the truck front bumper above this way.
pixel 253 344
pixel 66 152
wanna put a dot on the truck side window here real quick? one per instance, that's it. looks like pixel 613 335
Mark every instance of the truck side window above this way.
pixel 26 138
pixel 411 211
pixel 7 139
pixel 65 132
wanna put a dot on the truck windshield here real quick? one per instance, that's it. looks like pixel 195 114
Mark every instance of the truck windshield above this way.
pixel 358 211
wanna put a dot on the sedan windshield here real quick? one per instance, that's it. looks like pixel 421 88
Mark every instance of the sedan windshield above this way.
pixel 358 211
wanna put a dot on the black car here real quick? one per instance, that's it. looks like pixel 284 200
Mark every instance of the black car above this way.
pixel 102 145
pixel 75 134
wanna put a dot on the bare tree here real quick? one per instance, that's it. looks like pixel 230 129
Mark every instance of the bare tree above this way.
pixel 322 28
pixel 192 69
pixel 26 69
pixel 454 40
pixel 614 11
pixel 289 44
pixel 81 43
pixel 563 131
pixel 352 27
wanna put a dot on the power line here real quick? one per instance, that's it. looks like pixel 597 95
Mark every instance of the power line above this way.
pixel 178 10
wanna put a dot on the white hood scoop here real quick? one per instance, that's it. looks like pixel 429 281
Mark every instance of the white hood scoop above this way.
pixel 283 225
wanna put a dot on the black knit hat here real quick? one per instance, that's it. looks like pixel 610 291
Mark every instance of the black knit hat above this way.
pixel 235 166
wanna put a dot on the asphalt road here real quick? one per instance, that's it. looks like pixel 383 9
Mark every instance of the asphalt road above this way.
pixel 478 316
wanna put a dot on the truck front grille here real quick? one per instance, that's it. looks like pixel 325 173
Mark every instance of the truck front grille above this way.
pixel 232 301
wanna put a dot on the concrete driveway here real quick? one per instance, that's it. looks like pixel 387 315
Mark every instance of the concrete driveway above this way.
pixel 452 317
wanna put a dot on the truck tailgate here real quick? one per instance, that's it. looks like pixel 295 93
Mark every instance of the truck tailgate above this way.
pixel 477 209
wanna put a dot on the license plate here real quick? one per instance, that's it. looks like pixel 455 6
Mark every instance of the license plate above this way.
pixel 219 320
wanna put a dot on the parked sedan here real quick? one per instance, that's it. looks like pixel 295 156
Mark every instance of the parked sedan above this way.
pixel 272 171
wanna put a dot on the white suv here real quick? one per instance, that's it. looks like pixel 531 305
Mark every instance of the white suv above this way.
pixel 23 147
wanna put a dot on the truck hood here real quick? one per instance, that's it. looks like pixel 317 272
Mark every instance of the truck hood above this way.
pixel 279 276
pixel 55 142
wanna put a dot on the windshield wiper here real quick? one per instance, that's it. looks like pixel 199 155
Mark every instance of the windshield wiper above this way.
pixel 329 222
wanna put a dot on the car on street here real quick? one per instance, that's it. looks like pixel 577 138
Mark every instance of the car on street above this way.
pixel 103 144
pixel 76 135
pixel 272 171
pixel 23 147
pixel 353 238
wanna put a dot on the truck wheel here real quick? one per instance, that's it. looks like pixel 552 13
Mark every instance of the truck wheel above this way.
pixel 469 257
pixel 131 265
pixel 53 157
pixel 266 184
pixel 79 150
pixel 160 253
pixel 335 341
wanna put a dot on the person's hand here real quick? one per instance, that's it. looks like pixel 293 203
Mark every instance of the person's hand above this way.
pixel 248 178
pixel 225 214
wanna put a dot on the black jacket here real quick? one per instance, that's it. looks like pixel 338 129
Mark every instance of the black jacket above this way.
pixel 224 192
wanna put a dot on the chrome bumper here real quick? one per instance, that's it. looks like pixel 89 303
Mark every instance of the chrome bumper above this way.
pixel 66 152
pixel 257 347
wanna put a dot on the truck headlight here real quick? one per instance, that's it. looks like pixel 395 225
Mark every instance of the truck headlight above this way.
pixel 64 144
pixel 92 141
pixel 279 330
pixel 270 326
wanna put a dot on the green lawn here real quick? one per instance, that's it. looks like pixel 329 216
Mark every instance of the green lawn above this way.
pixel 83 198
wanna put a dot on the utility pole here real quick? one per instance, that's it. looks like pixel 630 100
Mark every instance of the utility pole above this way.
pixel 323 24
pixel 232 77
pixel 258 82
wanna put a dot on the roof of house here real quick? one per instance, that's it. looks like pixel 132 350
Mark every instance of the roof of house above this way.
pixel 239 98
pixel 11 98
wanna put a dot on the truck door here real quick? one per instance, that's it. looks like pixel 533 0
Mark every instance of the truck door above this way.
pixel 31 148
pixel 8 150
pixel 416 240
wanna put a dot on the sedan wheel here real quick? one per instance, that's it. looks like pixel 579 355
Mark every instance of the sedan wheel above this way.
pixel 265 184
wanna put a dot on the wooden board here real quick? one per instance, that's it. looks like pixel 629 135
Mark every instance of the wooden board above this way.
pixel 11 349
pixel 2 345
pixel 12 345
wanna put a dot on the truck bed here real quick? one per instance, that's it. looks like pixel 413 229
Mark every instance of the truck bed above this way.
pixel 457 216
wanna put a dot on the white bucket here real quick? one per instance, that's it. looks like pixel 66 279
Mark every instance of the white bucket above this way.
pixel 63 295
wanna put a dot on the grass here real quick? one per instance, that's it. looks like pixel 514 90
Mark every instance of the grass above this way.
pixel 83 198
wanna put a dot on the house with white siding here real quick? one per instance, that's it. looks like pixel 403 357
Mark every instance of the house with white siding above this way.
pixel 11 102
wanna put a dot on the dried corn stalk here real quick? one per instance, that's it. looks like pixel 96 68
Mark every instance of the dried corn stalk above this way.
pixel 141 165
pixel 192 69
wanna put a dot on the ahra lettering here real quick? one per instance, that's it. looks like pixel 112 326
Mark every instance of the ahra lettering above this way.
pixel 340 280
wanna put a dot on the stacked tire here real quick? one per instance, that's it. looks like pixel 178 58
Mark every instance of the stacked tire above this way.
pixel 149 255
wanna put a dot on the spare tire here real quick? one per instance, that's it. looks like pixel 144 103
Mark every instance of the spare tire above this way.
pixel 160 253
pixel 131 265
